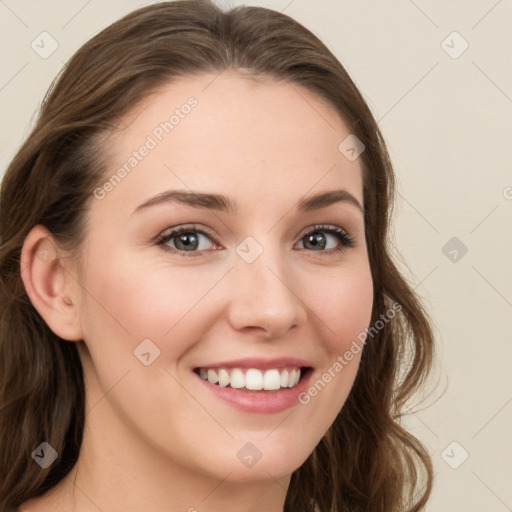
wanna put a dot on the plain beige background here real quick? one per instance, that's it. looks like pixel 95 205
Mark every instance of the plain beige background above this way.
pixel 444 103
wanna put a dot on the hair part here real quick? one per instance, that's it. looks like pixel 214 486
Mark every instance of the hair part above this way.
pixel 366 461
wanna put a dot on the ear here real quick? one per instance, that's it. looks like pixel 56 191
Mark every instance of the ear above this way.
pixel 52 290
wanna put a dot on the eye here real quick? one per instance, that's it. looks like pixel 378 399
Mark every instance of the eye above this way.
pixel 186 240
pixel 316 238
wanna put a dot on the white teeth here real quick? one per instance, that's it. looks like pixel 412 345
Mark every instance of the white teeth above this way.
pixel 293 378
pixel 284 379
pixel 223 377
pixel 253 379
pixel 212 376
pixel 237 379
pixel 271 380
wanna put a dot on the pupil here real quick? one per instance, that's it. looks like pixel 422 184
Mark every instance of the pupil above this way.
pixel 316 243
pixel 185 240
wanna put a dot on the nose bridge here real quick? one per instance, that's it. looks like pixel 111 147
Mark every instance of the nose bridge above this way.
pixel 263 290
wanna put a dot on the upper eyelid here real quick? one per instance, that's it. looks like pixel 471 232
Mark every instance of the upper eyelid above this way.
pixel 185 228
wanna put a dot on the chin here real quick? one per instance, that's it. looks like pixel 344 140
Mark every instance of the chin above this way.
pixel 259 461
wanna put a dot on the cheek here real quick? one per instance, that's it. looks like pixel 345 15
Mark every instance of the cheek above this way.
pixel 343 305
pixel 343 315
pixel 135 300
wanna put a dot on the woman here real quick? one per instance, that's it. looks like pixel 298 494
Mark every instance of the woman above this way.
pixel 199 309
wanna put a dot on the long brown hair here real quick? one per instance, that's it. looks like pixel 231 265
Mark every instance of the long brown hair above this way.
pixel 367 461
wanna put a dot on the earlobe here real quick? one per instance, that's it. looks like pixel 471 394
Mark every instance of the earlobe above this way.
pixel 52 292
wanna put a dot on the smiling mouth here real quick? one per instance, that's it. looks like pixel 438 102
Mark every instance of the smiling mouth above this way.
pixel 253 379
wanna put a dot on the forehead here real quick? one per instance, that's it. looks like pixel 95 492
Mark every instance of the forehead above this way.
pixel 231 134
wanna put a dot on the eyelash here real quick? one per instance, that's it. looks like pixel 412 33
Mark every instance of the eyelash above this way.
pixel 347 241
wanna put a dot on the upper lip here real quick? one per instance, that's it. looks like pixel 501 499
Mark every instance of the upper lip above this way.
pixel 260 363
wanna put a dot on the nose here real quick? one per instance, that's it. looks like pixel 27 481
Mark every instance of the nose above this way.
pixel 264 298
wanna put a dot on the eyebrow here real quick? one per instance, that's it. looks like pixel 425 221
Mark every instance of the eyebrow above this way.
pixel 222 203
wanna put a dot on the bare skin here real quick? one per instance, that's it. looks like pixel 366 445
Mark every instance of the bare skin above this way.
pixel 156 438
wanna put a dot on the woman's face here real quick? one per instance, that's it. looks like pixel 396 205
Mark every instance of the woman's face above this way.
pixel 256 286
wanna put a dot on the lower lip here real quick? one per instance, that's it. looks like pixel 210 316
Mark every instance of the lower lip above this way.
pixel 260 402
